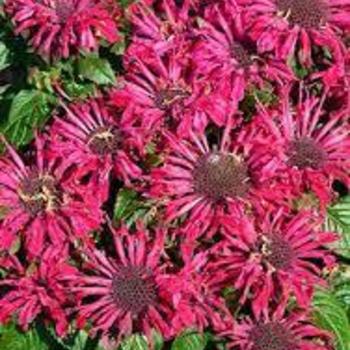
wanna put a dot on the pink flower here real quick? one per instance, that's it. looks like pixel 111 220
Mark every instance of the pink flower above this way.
pixel 129 292
pixel 308 147
pixel 38 290
pixel 273 257
pixel 285 25
pixel 279 331
pixel 167 27
pixel 162 91
pixel 227 55
pixel 201 303
pixel 89 138
pixel 59 28
pixel 42 203
pixel 205 183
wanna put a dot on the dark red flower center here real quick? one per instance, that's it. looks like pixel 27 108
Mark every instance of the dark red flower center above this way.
pixel 134 289
pixel 64 9
pixel 305 13
pixel 166 98
pixel 272 336
pixel 277 251
pixel 39 194
pixel 104 140
pixel 306 153
pixel 219 175
pixel 242 54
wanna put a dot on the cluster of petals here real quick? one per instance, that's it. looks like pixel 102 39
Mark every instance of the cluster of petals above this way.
pixel 226 184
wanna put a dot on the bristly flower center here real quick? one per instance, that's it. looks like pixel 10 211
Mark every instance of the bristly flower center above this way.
pixel 64 9
pixel 242 54
pixel 219 175
pixel 277 251
pixel 168 97
pixel 272 336
pixel 134 289
pixel 305 13
pixel 104 140
pixel 39 194
pixel 306 153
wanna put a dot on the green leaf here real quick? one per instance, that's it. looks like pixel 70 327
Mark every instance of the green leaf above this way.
pixel 30 109
pixel 13 339
pixel 190 340
pixel 329 314
pixel 338 220
pixel 96 69
pixel 131 207
pixel 135 342
pixel 4 56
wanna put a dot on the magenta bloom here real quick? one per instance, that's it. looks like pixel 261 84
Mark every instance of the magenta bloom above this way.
pixel 42 203
pixel 38 291
pixel 89 138
pixel 274 257
pixel 165 28
pixel 129 292
pixel 201 304
pixel 308 147
pixel 227 55
pixel 162 91
pixel 59 28
pixel 280 331
pixel 205 183
pixel 283 25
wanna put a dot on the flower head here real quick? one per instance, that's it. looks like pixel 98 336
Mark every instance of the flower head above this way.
pixel 279 331
pixel 89 138
pixel 271 258
pixel 129 291
pixel 226 53
pixel 42 203
pixel 285 25
pixel 310 146
pixel 207 182
pixel 59 28
pixel 164 92
pixel 38 290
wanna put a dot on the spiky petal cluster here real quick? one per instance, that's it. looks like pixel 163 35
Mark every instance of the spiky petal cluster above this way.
pixel 274 257
pixel 38 290
pixel 60 28
pixel 42 203
pixel 310 148
pixel 279 331
pixel 94 141
pixel 296 27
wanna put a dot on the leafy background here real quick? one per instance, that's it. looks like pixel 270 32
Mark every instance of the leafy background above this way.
pixel 28 90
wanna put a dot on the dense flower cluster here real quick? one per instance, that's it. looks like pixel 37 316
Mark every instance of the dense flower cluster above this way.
pixel 239 182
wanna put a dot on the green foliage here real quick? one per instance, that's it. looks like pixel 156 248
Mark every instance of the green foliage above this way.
pixel 12 338
pixel 4 56
pixel 96 69
pixel 338 220
pixel 135 342
pixel 190 340
pixel 30 110
pixel 130 207
pixel 330 314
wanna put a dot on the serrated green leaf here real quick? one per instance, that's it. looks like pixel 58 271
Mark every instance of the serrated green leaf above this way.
pixel 96 69
pixel 30 109
pixel 13 339
pixel 338 220
pixel 329 313
pixel 135 342
pixel 190 340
